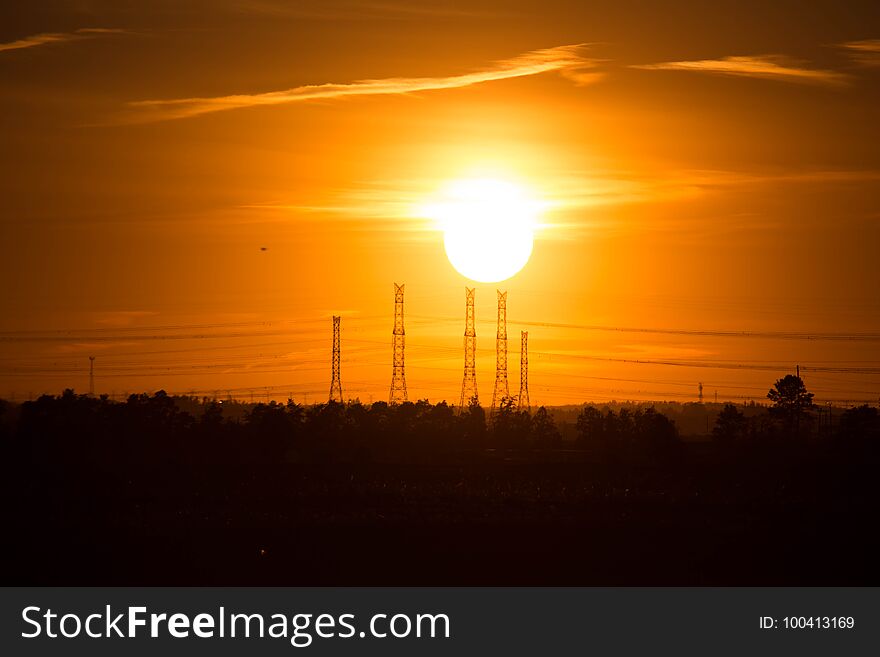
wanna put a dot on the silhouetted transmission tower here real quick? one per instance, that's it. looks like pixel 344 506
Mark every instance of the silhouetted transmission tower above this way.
pixel 523 404
pixel 335 383
pixel 469 383
pixel 501 391
pixel 398 378
pixel 91 376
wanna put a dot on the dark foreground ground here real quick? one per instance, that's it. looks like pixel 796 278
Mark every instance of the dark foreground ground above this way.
pixel 491 518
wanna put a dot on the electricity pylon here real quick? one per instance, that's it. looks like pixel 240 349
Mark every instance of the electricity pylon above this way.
pixel 398 377
pixel 501 391
pixel 469 383
pixel 523 402
pixel 91 376
pixel 335 383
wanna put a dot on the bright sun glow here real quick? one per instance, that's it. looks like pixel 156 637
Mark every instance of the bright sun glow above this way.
pixel 488 227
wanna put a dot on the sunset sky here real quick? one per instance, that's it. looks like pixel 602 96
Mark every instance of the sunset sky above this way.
pixel 190 190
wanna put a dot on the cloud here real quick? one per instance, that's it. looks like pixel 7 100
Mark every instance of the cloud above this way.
pixel 57 37
pixel 358 10
pixel 572 200
pixel 568 60
pixel 770 67
pixel 691 203
pixel 865 53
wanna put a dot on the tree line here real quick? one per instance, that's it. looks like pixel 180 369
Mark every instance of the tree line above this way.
pixel 159 428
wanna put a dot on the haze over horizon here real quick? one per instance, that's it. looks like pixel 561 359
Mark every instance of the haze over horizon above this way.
pixel 191 190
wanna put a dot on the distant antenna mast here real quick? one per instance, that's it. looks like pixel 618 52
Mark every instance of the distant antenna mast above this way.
pixel 91 376
pixel 523 404
pixel 501 391
pixel 335 384
pixel 398 377
pixel 701 392
pixel 469 382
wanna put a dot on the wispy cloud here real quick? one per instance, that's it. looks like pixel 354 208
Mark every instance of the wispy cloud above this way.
pixel 865 53
pixel 57 37
pixel 565 59
pixel 683 200
pixel 397 205
pixel 770 67
pixel 358 10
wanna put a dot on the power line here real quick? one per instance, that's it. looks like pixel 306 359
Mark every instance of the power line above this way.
pixel 782 335
pixel 176 327
pixel 262 364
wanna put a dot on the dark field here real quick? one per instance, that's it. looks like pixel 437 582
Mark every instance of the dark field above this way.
pixel 496 522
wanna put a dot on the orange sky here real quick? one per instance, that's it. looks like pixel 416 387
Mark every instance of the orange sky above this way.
pixel 707 169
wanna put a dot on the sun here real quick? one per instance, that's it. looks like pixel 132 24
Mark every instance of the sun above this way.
pixel 488 227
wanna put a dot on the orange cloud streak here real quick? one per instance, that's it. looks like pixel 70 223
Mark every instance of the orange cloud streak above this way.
pixel 565 59
pixel 771 67
pixel 56 37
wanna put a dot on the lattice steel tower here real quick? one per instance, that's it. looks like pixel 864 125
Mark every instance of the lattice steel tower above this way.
pixel 523 403
pixel 501 391
pixel 91 376
pixel 398 378
pixel 469 383
pixel 335 383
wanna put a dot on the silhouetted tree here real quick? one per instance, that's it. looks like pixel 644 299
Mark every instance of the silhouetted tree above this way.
pixel 328 429
pixel 862 422
pixel 623 426
pixel 212 414
pixel 590 425
pixel 271 431
pixel 473 421
pixel 510 427
pixel 144 489
pixel 731 424
pixel 791 402
pixel 4 433
pixel 858 433
pixel 441 426
pixel 655 433
pixel 544 429
pixel 628 434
